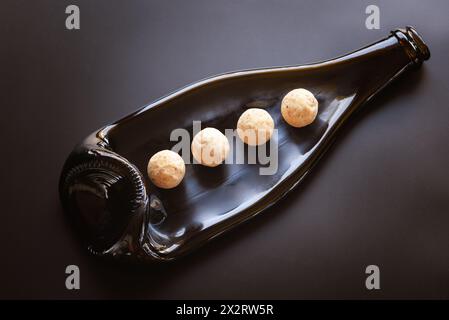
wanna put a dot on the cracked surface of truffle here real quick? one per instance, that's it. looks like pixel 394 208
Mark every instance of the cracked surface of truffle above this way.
pixel 255 126
pixel 210 147
pixel 166 169
pixel 299 108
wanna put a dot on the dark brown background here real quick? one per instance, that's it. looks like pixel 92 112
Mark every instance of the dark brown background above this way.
pixel 380 196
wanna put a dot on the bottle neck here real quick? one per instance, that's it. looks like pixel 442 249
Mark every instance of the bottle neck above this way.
pixel 404 46
pixel 371 68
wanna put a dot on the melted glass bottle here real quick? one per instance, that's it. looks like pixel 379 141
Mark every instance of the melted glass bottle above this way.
pixel 119 213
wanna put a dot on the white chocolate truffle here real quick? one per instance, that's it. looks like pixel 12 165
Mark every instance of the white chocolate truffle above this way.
pixel 299 108
pixel 255 126
pixel 166 169
pixel 210 147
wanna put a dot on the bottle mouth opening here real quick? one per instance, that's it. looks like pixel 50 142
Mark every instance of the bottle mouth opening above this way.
pixel 415 46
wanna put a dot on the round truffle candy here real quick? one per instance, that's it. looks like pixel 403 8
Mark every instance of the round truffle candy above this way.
pixel 255 126
pixel 299 108
pixel 210 147
pixel 166 169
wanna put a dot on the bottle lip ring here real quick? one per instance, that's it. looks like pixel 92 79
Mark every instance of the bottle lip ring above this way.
pixel 419 50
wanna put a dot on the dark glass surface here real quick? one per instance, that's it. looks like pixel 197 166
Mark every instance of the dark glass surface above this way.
pixel 120 213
